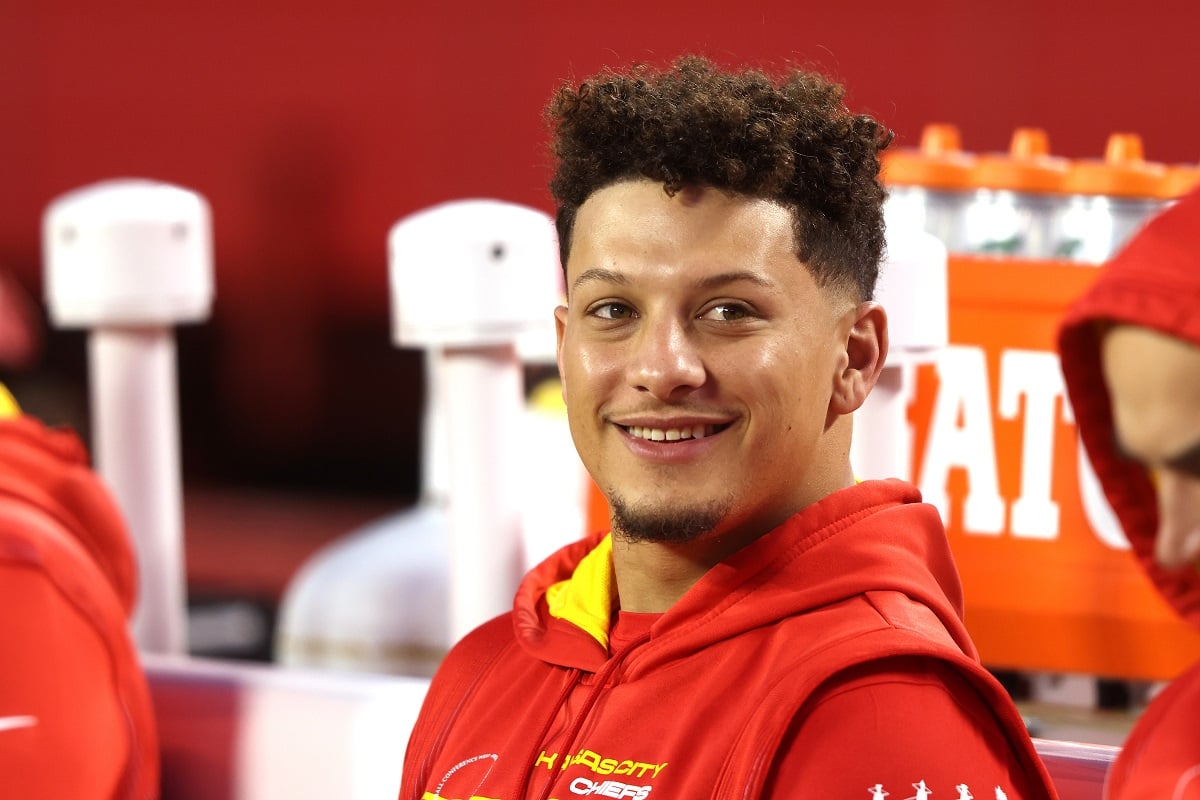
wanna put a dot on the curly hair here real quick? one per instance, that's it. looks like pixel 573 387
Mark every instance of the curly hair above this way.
pixel 791 141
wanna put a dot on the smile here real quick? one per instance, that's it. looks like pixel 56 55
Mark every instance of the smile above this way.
pixel 672 434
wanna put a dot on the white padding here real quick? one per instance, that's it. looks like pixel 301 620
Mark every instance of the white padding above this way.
pixel 474 273
pixel 912 288
pixel 128 252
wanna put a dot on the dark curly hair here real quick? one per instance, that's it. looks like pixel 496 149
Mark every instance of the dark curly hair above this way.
pixel 791 141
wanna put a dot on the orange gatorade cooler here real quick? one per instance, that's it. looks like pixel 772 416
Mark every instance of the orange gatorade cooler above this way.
pixel 1018 200
pixel 1110 200
pixel 1048 580
pixel 929 186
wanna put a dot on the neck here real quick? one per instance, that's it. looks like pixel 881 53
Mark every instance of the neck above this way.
pixel 652 576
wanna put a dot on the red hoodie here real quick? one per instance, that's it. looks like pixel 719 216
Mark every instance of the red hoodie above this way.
pixel 826 659
pixel 1154 282
pixel 75 713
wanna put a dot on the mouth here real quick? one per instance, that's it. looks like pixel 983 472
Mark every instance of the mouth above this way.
pixel 679 434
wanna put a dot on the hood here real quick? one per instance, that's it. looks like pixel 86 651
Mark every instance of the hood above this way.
pixel 48 470
pixel 875 536
pixel 1154 282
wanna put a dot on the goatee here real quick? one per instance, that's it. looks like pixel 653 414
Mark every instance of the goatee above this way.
pixel 643 522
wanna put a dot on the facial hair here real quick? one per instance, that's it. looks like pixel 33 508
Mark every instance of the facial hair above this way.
pixel 646 522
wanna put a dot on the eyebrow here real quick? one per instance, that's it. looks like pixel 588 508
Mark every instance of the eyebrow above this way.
pixel 710 282
pixel 600 274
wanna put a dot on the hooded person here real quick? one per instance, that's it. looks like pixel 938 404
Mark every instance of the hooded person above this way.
pixel 1130 349
pixel 756 623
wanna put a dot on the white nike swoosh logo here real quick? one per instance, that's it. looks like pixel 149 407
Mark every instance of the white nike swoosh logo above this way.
pixel 12 723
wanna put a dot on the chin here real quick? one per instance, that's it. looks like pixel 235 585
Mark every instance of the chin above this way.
pixel 646 520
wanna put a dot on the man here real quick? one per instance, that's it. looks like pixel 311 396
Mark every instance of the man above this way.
pixel 756 625
pixel 1131 359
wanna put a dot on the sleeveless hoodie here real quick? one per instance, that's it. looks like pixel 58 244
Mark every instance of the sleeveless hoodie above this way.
pixel 533 704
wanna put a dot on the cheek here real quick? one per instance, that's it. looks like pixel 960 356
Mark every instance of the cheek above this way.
pixel 794 372
pixel 588 369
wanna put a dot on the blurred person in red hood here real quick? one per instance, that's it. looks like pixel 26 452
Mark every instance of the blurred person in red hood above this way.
pixel 20 330
pixel 75 714
pixel 1130 352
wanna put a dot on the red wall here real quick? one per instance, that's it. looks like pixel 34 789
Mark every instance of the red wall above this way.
pixel 312 127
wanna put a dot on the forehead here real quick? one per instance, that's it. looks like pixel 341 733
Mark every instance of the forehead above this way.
pixel 637 222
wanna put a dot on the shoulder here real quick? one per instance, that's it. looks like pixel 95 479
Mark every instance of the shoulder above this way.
pixel 908 683
pixel 472 654
pixel 1161 757
pixel 900 724
pixel 468 662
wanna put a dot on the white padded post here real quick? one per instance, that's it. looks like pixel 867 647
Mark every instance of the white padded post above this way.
pixel 912 289
pixel 470 279
pixel 128 260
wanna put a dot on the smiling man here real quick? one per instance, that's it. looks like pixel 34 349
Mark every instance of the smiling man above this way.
pixel 756 623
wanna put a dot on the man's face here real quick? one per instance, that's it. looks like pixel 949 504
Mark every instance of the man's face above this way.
pixel 698 358
pixel 1154 386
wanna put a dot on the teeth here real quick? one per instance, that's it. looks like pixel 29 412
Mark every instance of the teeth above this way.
pixel 670 434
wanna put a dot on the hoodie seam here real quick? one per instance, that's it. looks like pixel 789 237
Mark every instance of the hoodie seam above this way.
pixel 438 732
pixel 802 666
pixel 49 505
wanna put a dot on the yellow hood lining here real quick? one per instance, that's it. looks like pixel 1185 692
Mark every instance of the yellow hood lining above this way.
pixel 8 405
pixel 586 598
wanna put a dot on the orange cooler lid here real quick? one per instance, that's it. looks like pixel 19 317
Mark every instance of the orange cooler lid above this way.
pixel 1026 167
pixel 1179 180
pixel 939 163
pixel 1124 172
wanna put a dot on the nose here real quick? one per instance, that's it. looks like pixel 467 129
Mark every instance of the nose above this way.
pixel 1178 540
pixel 665 361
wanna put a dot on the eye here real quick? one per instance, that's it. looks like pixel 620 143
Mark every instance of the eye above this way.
pixel 611 310
pixel 727 312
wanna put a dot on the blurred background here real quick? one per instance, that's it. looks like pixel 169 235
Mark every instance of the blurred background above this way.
pixel 312 127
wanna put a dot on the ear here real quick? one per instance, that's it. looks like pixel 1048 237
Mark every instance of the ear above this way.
pixel 560 331
pixel 866 343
